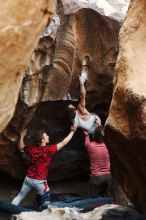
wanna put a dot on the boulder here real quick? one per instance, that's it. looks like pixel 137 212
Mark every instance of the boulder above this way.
pixel 53 75
pixel 126 125
pixel 21 23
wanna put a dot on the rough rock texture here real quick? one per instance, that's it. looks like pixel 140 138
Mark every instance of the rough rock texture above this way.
pixel 126 124
pixel 84 33
pixel 106 212
pixel 74 40
pixel 21 23
pixel 60 72
pixel 114 9
pixel 95 39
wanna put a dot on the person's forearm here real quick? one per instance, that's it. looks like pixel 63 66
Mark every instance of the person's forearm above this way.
pixel 65 140
pixel 68 138
pixel 87 140
pixel 21 145
pixel 21 142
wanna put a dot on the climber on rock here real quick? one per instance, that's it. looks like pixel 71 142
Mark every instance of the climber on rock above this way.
pixel 41 156
pixel 79 115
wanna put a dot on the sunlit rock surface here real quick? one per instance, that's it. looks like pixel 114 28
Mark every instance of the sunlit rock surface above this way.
pixel 35 79
pixel 126 124
pixel 21 23
pixel 106 212
pixel 112 8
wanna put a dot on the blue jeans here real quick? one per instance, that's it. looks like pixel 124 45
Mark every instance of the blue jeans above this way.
pixel 40 185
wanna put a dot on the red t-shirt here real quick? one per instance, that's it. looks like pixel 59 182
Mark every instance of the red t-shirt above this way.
pixel 98 156
pixel 41 158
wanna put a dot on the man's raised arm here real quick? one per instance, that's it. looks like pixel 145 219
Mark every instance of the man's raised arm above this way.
pixel 67 139
pixel 21 142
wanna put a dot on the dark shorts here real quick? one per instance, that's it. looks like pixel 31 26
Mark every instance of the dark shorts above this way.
pixel 99 185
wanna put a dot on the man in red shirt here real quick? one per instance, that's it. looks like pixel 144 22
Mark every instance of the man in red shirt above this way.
pixel 100 177
pixel 41 157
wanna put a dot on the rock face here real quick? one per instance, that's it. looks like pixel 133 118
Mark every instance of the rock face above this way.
pixel 109 8
pixel 102 53
pixel 126 124
pixel 105 212
pixel 53 75
pixel 21 23
pixel 74 41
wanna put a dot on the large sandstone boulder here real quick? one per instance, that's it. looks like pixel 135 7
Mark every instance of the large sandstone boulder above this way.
pixel 52 75
pixel 21 23
pixel 126 124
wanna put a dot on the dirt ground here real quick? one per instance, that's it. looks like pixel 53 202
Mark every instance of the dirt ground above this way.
pixel 10 187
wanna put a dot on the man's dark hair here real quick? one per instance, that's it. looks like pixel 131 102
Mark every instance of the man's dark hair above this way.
pixel 98 135
pixel 38 136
